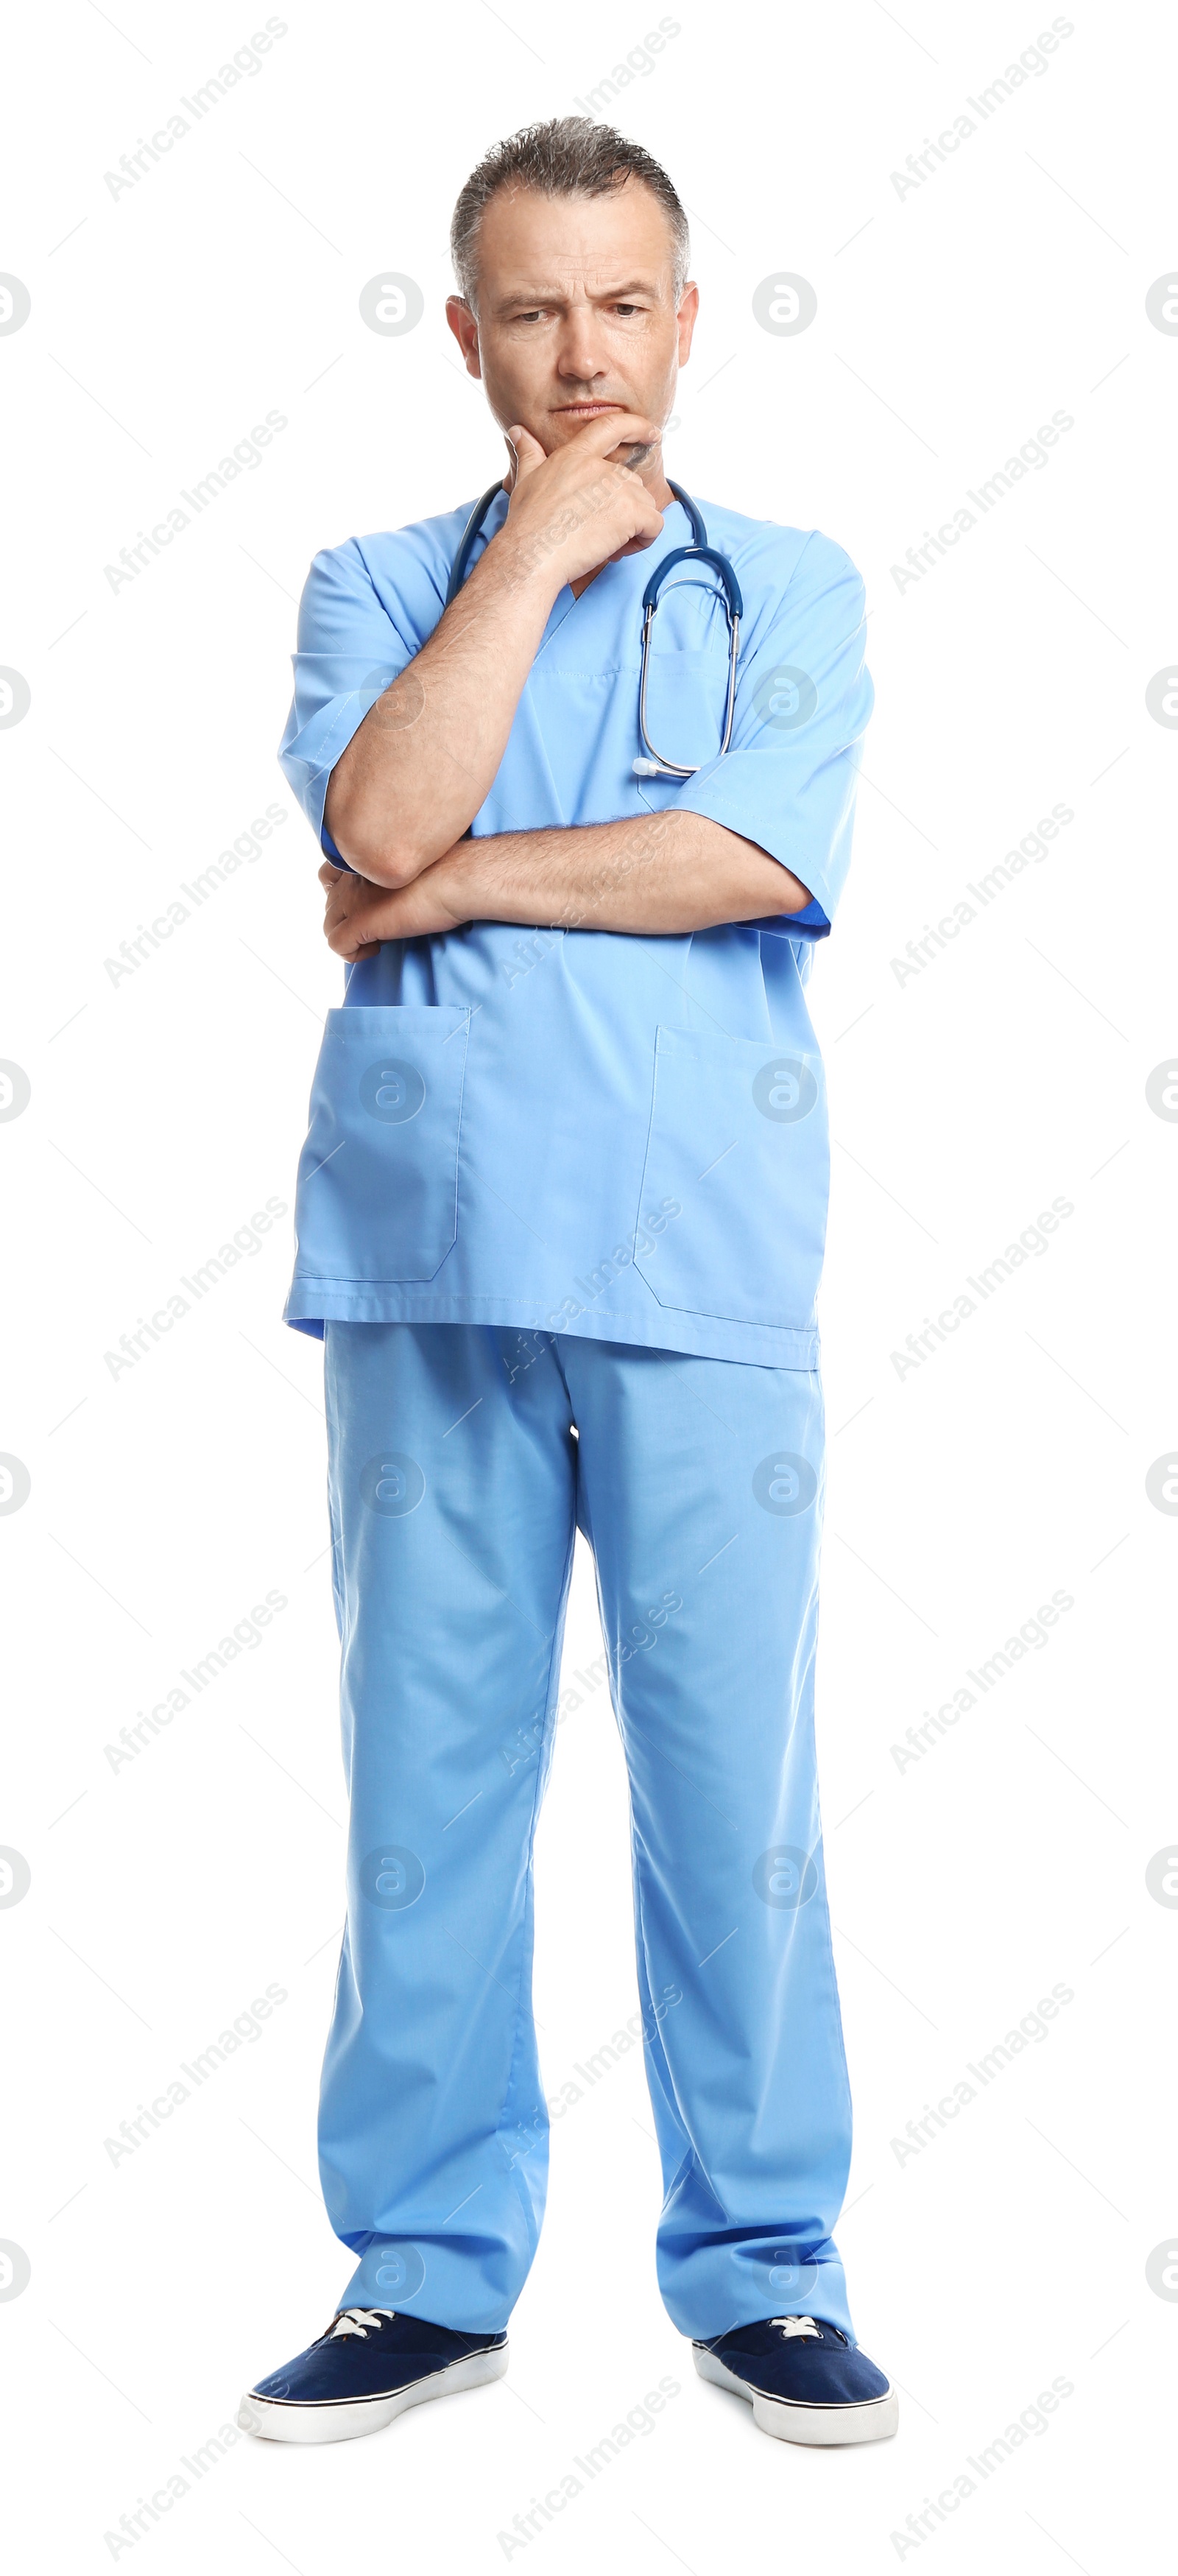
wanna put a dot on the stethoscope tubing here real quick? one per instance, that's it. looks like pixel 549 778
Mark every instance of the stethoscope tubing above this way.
pixel 699 551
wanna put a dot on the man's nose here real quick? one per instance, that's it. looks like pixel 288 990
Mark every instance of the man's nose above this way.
pixel 579 355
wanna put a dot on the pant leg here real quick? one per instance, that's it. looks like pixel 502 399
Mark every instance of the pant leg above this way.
pixel 701 1486
pixel 451 1483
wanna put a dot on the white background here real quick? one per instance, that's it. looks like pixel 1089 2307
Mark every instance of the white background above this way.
pixel 952 321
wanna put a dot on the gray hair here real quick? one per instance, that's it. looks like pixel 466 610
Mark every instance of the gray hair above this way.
pixel 570 156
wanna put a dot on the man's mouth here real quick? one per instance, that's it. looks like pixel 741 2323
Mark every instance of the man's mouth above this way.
pixel 585 410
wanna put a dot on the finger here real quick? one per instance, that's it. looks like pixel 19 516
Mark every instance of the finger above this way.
pixel 329 876
pixel 346 945
pixel 624 429
pixel 636 545
pixel 525 451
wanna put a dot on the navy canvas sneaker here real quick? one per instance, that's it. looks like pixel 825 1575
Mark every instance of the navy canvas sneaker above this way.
pixel 807 2382
pixel 368 2365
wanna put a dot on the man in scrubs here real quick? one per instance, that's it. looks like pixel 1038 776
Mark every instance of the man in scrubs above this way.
pixel 560 1224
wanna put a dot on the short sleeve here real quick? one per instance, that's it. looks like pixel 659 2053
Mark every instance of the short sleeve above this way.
pixel 803 701
pixel 350 649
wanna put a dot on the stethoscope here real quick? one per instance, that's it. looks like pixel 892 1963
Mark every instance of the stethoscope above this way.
pixel 699 551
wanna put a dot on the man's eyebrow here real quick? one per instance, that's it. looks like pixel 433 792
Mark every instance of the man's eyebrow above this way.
pixel 536 295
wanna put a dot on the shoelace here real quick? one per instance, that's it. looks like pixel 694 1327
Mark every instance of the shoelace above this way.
pixel 356 2321
pixel 796 2326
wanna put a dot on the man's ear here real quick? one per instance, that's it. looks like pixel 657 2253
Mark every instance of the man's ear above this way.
pixel 688 312
pixel 466 331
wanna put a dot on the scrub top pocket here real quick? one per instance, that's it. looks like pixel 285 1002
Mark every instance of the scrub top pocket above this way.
pixel 378 1179
pixel 737 1162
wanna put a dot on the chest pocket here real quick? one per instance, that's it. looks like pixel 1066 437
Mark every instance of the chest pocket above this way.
pixel 377 1190
pixel 738 1163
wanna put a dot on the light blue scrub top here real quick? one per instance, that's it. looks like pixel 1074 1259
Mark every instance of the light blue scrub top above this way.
pixel 583 1131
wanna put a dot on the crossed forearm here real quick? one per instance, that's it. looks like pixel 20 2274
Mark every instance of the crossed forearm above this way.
pixel 658 873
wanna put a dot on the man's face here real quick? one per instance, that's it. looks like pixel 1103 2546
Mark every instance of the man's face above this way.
pixel 576 310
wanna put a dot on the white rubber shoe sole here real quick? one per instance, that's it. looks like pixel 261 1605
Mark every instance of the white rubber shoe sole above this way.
pixel 875 2420
pixel 278 2419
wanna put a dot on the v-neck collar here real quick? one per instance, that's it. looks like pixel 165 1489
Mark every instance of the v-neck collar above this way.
pixel 565 602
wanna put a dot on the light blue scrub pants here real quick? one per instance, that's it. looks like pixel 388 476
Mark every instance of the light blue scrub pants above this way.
pixel 698 1485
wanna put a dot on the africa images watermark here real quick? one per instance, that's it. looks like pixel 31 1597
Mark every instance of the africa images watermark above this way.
pixel 1033 61
pixel 1033 455
pixel 1033 2421
pixel 246 850
pixel 1032 1636
pixel 639 2421
pixel 247 1634
pixel 245 64
pixel 1032 1243
pixel 526 1743
pixel 247 1241
pixel 637 64
pixel 246 457
pixel 247 2027
pixel 533 2127
pixel 1032 2029
pixel 1033 847
pixel 136 2525
pixel 524 1746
